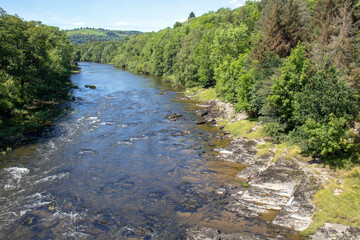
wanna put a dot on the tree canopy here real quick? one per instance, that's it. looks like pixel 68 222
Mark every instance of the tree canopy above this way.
pixel 35 63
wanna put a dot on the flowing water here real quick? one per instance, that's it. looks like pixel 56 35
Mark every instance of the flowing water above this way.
pixel 116 168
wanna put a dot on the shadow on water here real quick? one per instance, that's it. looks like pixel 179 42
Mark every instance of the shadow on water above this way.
pixel 118 169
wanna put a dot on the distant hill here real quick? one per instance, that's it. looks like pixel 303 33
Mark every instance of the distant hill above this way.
pixel 85 35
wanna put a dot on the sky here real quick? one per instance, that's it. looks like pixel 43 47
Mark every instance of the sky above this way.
pixel 141 15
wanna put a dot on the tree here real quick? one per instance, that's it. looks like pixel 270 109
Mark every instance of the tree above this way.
pixel 35 63
pixel 324 96
pixel 294 76
pixel 191 15
pixel 282 25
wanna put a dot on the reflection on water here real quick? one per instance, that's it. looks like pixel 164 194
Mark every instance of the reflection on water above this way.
pixel 117 168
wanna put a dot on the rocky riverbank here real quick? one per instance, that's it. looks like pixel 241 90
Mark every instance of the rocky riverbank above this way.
pixel 279 190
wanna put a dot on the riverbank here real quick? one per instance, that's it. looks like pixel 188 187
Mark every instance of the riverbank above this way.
pixel 37 120
pixel 280 185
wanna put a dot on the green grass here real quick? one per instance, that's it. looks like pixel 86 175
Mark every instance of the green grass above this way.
pixel 202 94
pixel 288 151
pixel 342 208
pixel 207 95
pixel 241 128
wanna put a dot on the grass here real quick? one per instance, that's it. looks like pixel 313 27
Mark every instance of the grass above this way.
pixel 202 94
pixel 288 151
pixel 338 202
pixel 242 129
pixel 207 95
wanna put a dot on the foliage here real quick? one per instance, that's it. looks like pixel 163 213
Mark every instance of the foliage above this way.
pixel 274 130
pixel 294 76
pixel 323 97
pixel 35 63
pixel 282 25
pixel 325 139
pixel 263 72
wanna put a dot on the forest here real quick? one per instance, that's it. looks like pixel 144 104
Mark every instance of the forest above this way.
pixel 35 64
pixel 85 35
pixel 292 64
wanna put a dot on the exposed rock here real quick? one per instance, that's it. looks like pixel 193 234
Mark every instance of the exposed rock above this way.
pixel 280 186
pixel 270 190
pixel 179 144
pixel 219 110
pixel 194 147
pixel 285 186
pixel 204 111
pixel 260 165
pixel 239 150
pixel 201 233
pixel 298 211
pixel 174 116
pixel 336 231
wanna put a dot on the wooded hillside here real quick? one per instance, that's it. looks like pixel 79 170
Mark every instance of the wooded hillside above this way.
pixel 85 35
pixel 294 64
pixel 35 63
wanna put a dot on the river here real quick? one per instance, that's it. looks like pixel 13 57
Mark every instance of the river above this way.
pixel 116 168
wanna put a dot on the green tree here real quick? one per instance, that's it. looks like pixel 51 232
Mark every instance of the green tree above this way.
pixel 325 96
pixel 294 76
pixel 191 15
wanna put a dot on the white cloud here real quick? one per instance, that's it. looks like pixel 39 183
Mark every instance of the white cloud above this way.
pixel 240 4
pixel 237 3
pixel 121 24
pixel 78 24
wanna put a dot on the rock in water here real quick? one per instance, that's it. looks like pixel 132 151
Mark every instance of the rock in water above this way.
pixel 174 116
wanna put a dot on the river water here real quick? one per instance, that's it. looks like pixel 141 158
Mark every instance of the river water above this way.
pixel 116 168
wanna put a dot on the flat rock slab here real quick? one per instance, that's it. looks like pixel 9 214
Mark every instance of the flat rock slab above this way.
pixel 216 109
pixel 239 150
pixel 281 186
pixel 271 189
pixel 256 167
pixel 298 211
pixel 337 231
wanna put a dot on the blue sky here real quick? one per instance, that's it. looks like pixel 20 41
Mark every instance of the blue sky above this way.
pixel 143 15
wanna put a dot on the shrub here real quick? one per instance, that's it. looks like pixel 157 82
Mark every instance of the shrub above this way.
pixel 323 96
pixel 274 130
pixel 325 140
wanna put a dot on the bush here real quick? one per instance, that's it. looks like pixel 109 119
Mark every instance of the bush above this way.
pixel 325 140
pixel 323 96
pixel 274 130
